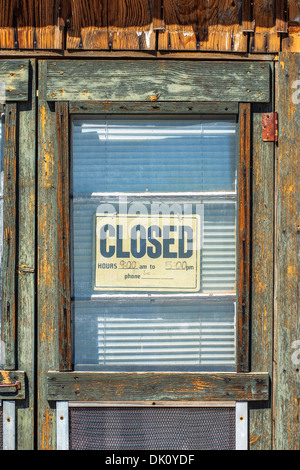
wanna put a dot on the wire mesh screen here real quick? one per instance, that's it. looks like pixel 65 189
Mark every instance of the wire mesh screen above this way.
pixel 1 428
pixel 162 428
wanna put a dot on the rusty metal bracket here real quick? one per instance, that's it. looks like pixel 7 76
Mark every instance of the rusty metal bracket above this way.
pixel 16 385
pixel 270 127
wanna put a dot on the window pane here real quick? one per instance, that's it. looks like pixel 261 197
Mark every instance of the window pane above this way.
pixel 134 336
pixel 183 169
pixel 154 155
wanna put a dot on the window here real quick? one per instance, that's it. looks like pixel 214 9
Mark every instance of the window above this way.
pixel 141 339
pixel 162 301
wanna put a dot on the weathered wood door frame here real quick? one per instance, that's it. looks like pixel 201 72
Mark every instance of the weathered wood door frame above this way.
pixel 55 377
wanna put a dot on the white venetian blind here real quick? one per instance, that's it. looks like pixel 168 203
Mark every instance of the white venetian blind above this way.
pixel 154 155
pixel 179 160
pixel 168 337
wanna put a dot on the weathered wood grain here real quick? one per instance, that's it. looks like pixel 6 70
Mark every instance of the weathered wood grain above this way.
pixel 247 16
pixel 24 14
pixel 47 255
pixel 287 333
pixel 291 42
pixel 262 286
pixel 281 16
pixel 202 25
pixel 130 25
pixel 265 37
pixel 118 25
pixel 14 74
pixel 10 378
pixel 182 25
pixel 140 107
pixel 162 81
pixel 87 25
pixel 224 24
pixel 10 157
pixel 49 24
pixel 26 272
pixel 244 239
pixel 7 24
pixel 158 15
pixel 25 24
pixel 98 386
pixel 63 237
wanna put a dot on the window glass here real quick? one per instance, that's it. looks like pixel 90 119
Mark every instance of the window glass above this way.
pixel 154 243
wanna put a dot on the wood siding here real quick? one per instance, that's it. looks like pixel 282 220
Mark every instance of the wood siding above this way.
pixel 189 81
pixel 260 26
pixel 142 386
pixel 241 51
pixel 287 306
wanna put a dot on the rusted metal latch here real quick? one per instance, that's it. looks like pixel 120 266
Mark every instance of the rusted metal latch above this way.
pixel 270 127
pixel 16 385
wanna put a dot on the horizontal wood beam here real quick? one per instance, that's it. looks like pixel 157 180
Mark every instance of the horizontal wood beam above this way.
pixel 141 107
pixel 163 386
pixel 125 54
pixel 153 81
pixel 15 76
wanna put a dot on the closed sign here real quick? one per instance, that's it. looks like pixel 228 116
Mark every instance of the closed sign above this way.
pixel 139 252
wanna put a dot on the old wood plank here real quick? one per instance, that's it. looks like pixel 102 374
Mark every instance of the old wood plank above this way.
pixel 49 24
pixel 291 42
pixel 262 288
pixel 286 356
pixel 14 74
pixel 141 107
pixel 265 37
pixel 202 25
pixel 63 235
pixel 10 157
pixel 162 81
pixel 24 14
pixel 130 25
pixel 224 27
pixel 47 255
pixel 244 239
pixel 7 24
pixel 87 25
pixel 281 16
pixel 247 16
pixel 184 25
pixel 107 54
pixel 31 25
pixel 164 386
pixel 119 25
pixel 158 15
pixel 10 378
pixel 26 262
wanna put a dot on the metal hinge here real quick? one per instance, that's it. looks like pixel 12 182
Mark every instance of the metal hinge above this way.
pixel 270 127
